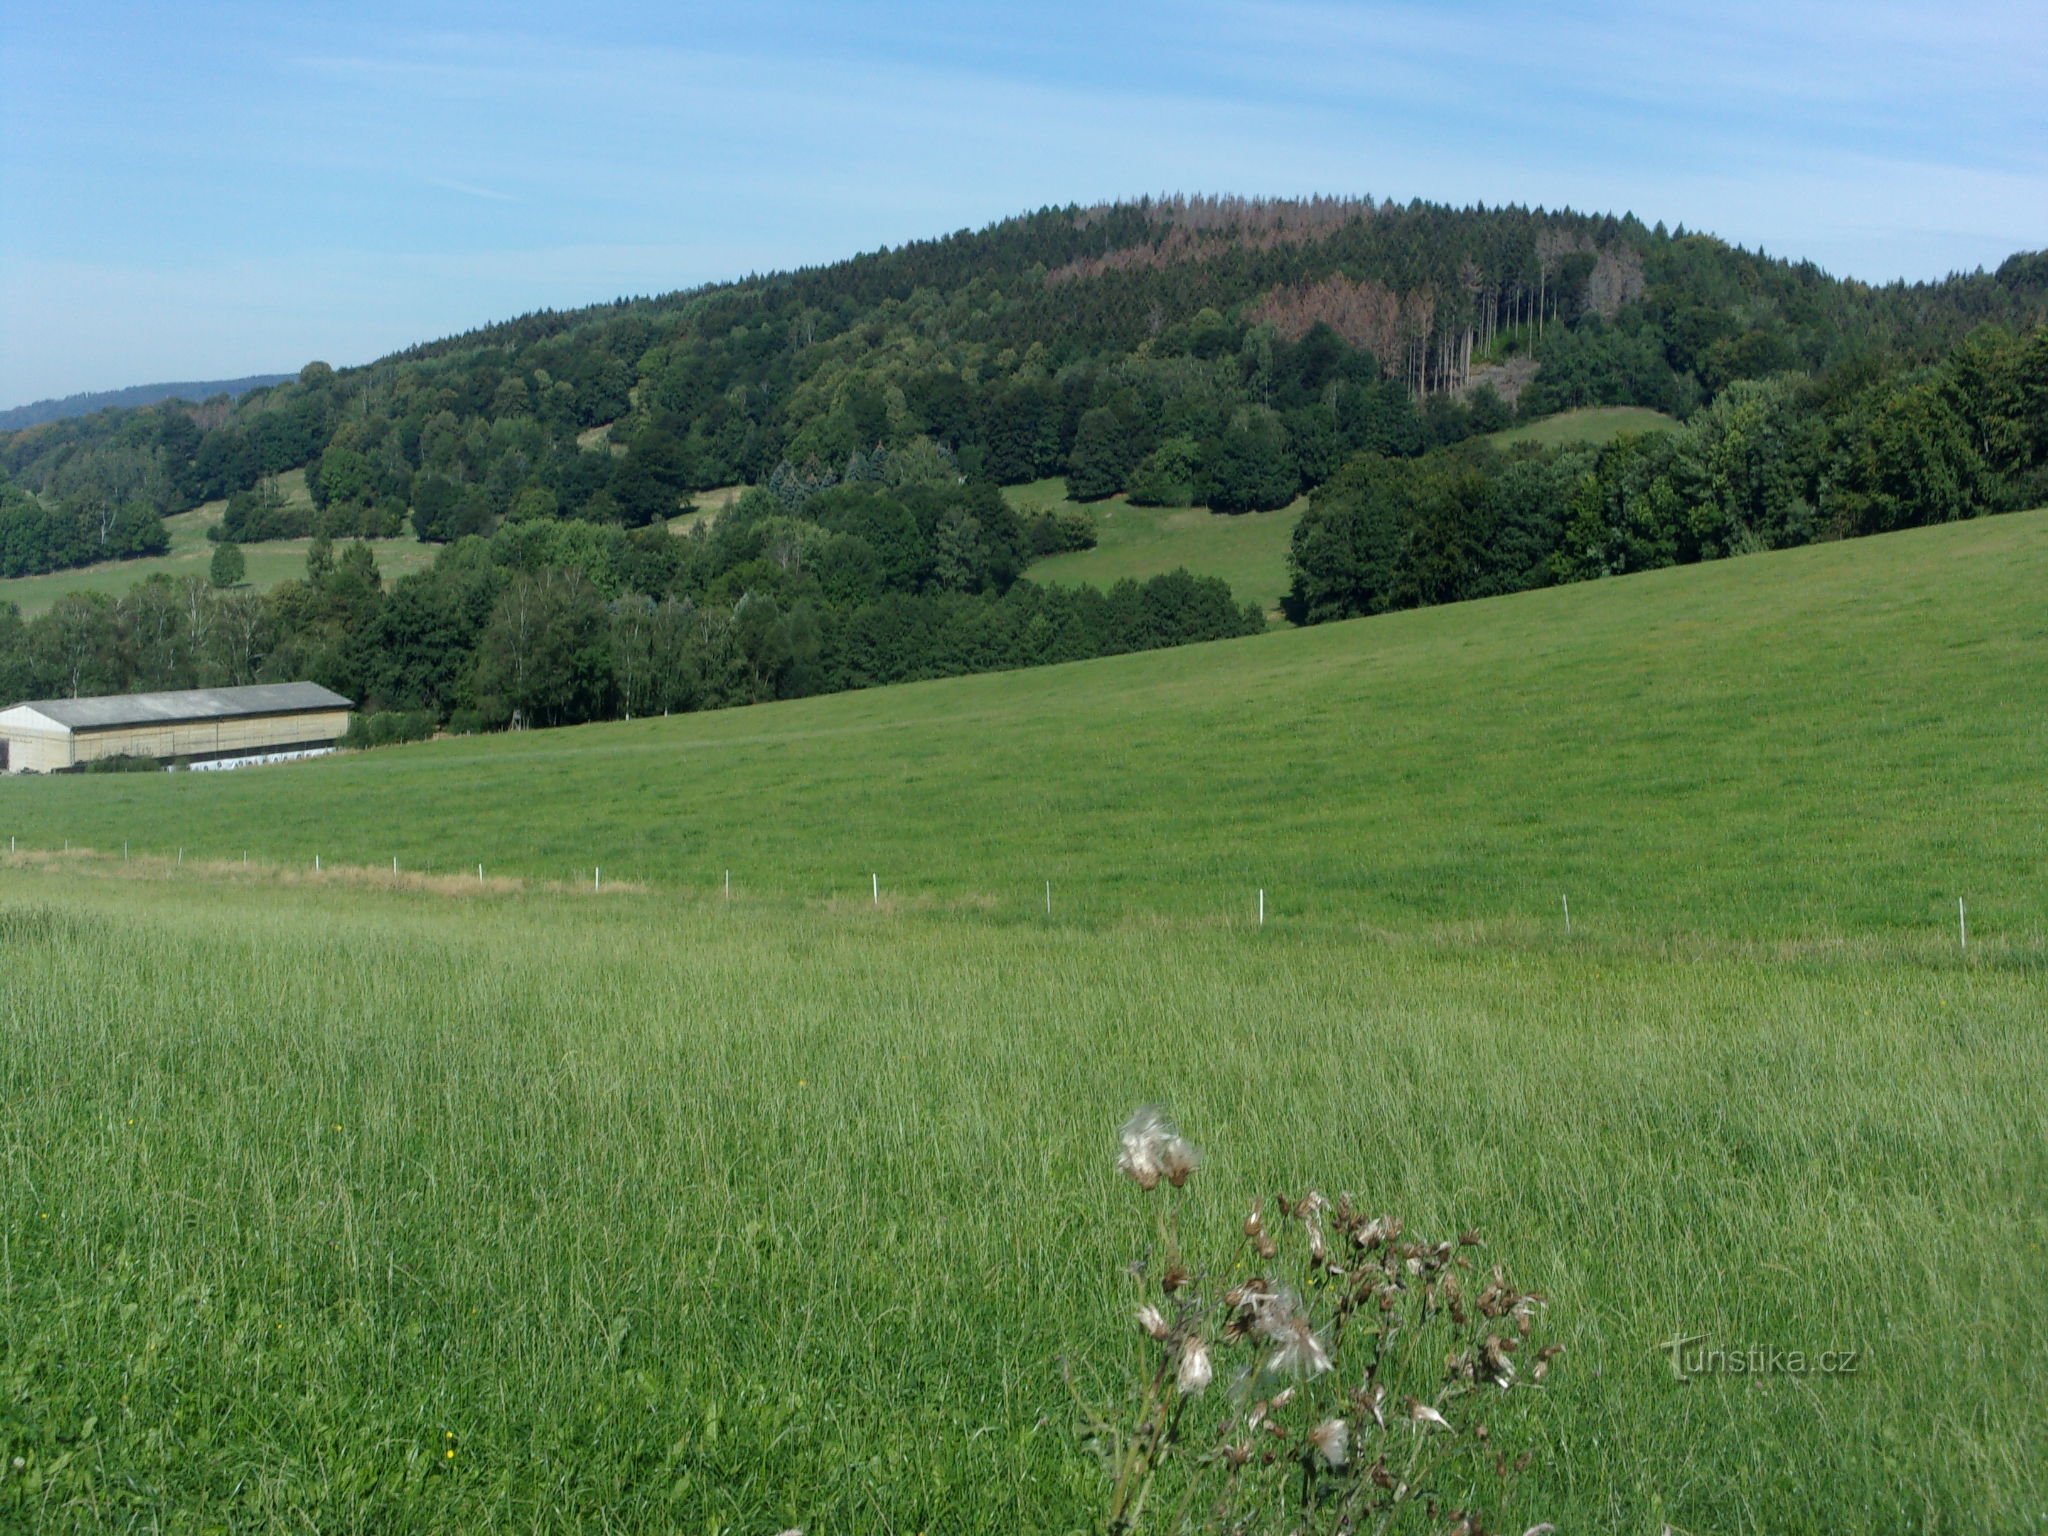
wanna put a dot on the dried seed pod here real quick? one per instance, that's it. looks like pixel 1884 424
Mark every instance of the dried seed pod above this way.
pixel 1369 1400
pixel 1332 1442
pixel 1421 1413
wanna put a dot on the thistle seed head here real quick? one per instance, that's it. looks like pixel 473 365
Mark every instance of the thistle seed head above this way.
pixel 1152 1323
pixel 1143 1140
pixel 1296 1352
pixel 1368 1401
pixel 1195 1372
pixel 1421 1413
pixel 1332 1440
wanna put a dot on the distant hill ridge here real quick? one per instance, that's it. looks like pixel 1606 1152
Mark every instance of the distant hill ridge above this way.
pixel 133 397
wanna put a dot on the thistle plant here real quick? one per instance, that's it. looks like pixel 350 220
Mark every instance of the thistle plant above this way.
pixel 1333 1374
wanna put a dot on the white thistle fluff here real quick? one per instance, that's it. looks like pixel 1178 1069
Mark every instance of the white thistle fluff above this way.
pixel 1332 1440
pixel 1151 1149
pixel 1297 1352
pixel 1195 1372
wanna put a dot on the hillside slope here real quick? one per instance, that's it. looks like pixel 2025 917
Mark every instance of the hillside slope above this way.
pixel 1836 739
pixel 190 554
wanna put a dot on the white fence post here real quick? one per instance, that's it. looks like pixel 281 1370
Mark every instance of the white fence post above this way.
pixel 878 888
pixel 1962 923
pixel 1262 907
pixel 1567 913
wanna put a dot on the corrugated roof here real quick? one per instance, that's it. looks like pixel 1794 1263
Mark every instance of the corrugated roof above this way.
pixel 187 704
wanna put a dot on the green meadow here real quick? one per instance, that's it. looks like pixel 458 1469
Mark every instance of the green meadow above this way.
pixel 1591 425
pixel 1248 550
pixel 354 1200
pixel 191 553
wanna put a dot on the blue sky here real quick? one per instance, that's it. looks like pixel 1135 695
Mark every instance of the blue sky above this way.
pixel 199 191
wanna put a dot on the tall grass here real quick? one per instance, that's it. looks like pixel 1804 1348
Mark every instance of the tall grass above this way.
pixel 661 1211
pixel 715 1218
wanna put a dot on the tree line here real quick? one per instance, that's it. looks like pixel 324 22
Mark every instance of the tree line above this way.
pixel 1770 463
pixel 550 621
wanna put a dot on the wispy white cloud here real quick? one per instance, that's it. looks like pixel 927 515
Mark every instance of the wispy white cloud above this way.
pixel 467 189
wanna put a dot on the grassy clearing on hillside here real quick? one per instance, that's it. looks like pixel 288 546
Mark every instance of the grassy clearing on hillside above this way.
pixel 191 553
pixel 1590 426
pixel 1249 550
pixel 705 506
pixel 663 1212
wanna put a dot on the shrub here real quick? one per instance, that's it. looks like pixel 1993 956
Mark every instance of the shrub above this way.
pixel 1054 533
pixel 385 727
pixel 1166 475
pixel 121 762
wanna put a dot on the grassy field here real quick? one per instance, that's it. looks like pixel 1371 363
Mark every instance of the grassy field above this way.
pixel 665 1212
pixel 1249 551
pixel 705 506
pixel 191 553
pixel 1594 424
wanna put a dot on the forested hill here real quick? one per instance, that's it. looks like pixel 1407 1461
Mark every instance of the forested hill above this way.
pixel 1176 315
pixel 1227 352
pixel 37 412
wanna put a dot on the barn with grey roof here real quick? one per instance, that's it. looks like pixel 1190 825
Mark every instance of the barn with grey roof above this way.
pixel 202 727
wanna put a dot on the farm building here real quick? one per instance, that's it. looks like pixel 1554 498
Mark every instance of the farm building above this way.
pixel 205 727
